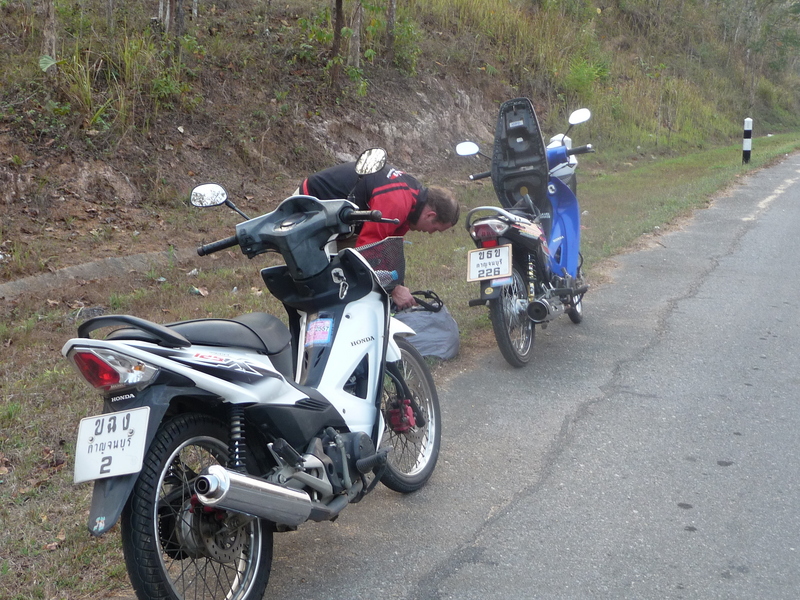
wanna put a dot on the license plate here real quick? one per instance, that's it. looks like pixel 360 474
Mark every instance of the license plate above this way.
pixel 111 444
pixel 489 263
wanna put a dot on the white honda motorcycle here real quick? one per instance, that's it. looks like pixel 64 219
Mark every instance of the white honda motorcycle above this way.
pixel 216 433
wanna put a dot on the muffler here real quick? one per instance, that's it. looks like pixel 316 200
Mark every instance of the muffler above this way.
pixel 229 490
pixel 541 311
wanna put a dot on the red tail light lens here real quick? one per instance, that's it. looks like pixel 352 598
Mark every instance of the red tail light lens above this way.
pixel 110 370
pixel 488 229
pixel 96 371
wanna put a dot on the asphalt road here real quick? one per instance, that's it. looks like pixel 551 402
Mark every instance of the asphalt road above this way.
pixel 648 453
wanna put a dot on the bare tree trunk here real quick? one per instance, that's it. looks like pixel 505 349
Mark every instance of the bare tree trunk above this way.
pixel 338 24
pixel 391 13
pixel 179 31
pixel 49 35
pixel 168 11
pixel 354 56
pixel 180 25
pixel 110 15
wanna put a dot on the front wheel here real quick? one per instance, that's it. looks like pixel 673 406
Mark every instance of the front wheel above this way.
pixel 415 445
pixel 513 329
pixel 575 310
pixel 176 550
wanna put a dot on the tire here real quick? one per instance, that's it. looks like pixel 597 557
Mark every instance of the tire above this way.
pixel 414 451
pixel 575 312
pixel 175 553
pixel 513 329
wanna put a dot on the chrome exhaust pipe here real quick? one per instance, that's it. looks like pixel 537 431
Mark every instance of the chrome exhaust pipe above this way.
pixel 541 311
pixel 222 488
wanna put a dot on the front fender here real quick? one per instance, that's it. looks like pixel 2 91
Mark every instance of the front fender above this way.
pixel 396 328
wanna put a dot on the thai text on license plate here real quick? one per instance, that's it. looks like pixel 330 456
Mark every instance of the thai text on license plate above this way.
pixel 111 444
pixel 489 263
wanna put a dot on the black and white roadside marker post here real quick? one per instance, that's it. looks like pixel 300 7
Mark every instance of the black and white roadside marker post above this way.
pixel 747 141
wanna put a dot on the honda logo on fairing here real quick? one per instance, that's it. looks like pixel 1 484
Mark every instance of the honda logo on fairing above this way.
pixel 123 397
pixel 362 340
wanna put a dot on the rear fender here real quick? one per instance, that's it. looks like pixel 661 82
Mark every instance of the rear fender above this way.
pixel 111 494
pixel 491 289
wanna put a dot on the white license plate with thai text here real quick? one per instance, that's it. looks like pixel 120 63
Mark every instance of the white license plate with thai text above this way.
pixel 489 263
pixel 111 444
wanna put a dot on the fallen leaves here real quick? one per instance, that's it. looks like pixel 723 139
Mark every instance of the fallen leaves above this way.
pixel 61 537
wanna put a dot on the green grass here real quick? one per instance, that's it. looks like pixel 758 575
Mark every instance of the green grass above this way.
pixel 623 205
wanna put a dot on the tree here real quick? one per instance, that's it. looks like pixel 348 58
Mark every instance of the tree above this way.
pixel 336 59
pixel 49 36
pixel 391 13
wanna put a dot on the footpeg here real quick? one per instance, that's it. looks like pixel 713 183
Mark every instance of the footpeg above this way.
pixel 365 465
pixel 287 453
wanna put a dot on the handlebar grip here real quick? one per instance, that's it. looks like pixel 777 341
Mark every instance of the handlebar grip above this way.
pixel 217 246
pixel 580 150
pixel 359 216
pixel 483 175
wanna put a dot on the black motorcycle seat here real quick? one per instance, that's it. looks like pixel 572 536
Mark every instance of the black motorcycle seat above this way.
pixel 260 332
pixel 519 160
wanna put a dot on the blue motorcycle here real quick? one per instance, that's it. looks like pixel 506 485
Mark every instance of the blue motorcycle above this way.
pixel 527 259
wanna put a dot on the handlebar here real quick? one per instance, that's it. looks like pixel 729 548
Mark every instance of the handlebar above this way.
pixel 483 175
pixel 350 217
pixel 580 150
pixel 217 246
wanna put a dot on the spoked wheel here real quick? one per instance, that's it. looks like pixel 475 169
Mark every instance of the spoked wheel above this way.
pixel 513 329
pixel 575 311
pixel 174 548
pixel 415 445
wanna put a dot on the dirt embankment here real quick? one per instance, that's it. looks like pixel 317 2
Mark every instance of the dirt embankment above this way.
pixel 68 207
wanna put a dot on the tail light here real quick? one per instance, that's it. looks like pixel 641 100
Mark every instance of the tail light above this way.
pixel 488 229
pixel 108 370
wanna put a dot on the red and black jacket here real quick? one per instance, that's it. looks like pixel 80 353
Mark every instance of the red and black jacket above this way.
pixel 395 193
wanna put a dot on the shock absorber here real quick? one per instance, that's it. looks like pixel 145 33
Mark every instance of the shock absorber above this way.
pixel 531 276
pixel 236 440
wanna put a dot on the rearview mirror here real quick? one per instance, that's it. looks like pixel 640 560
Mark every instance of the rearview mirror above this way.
pixel 208 194
pixel 371 161
pixel 467 149
pixel 580 116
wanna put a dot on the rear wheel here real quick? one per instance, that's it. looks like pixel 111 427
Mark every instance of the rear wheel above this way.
pixel 513 329
pixel 415 445
pixel 176 550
